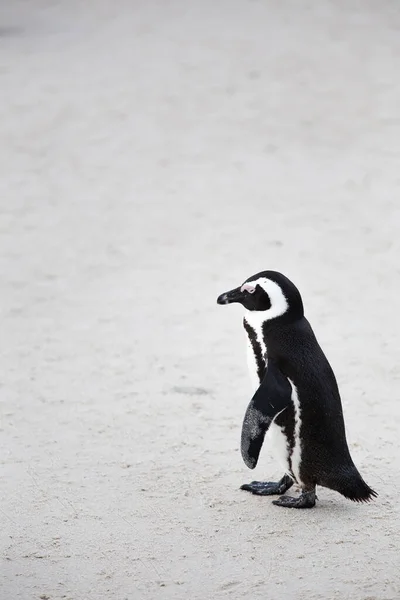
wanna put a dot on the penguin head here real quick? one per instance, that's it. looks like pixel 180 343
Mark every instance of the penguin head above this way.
pixel 268 293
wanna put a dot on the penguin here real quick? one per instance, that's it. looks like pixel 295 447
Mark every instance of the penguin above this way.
pixel 296 401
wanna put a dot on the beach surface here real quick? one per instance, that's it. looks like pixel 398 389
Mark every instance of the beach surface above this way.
pixel 155 154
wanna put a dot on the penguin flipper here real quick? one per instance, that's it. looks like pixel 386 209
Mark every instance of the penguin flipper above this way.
pixel 272 397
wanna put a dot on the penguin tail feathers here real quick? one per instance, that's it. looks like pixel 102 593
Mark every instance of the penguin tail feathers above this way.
pixel 352 486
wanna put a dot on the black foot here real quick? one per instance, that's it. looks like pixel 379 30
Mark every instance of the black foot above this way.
pixel 268 488
pixel 305 500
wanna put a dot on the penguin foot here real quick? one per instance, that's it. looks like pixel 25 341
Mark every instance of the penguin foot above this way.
pixel 305 500
pixel 268 488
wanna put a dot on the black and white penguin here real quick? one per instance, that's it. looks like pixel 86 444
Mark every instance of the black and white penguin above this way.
pixel 296 402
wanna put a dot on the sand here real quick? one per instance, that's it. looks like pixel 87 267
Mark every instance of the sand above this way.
pixel 155 154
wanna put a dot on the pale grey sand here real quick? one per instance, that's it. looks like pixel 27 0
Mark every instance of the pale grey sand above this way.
pixel 153 155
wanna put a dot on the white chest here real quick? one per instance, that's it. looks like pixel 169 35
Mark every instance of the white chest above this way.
pixel 289 460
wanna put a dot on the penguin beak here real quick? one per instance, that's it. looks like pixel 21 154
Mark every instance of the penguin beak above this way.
pixel 235 295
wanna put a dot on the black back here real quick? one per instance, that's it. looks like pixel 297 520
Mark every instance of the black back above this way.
pixel 326 458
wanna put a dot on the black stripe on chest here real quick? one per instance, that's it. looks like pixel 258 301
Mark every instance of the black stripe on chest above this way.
pixel 260 361
pixel 286 420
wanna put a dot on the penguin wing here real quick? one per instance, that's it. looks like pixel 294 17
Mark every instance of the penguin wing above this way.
pixel 272 397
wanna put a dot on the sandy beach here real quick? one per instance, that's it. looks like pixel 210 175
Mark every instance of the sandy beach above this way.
pixel 155 154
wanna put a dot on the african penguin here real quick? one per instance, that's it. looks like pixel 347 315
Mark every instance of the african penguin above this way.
pixel 296 400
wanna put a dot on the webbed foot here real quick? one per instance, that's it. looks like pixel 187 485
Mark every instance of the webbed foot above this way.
pixel 305 500
pixel 268 488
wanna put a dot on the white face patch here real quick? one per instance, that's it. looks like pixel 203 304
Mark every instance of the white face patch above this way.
pixel 279 304
pixel 255 318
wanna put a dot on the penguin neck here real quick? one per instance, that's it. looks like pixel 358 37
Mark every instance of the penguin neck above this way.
pixel 256 321
pixel 253 325
pixel 264 331
pixel 259 325
pixel 256 351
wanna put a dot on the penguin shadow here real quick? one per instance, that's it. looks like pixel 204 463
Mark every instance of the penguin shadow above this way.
pixel 336 508
pixel 340 507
